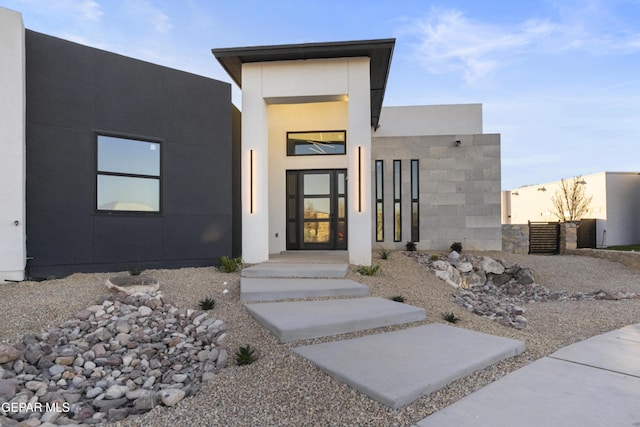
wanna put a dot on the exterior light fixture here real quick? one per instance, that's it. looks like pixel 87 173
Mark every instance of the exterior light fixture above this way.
pixel 359 179
pixel 515 193
pixel 582 182
pixel 542 188
pixel 458 143
pixel 251 181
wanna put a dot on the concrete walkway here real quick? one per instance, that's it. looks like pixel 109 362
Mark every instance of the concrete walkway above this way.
pixel 595 382
pixel 394 368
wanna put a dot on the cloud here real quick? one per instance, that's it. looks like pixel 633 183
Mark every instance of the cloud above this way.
pixel 450 42
pixel 151 15
pixel 86 9
pixel 447 41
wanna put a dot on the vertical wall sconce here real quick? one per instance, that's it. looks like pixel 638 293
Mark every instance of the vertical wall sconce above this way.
pixel 359 179
pixel 250 181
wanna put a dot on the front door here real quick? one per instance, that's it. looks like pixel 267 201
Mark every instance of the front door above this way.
pixel 317 209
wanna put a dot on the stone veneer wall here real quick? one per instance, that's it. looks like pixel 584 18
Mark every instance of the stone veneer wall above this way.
pixel 568 237
pixel 515 238
pixel 630 259
pixel 459 190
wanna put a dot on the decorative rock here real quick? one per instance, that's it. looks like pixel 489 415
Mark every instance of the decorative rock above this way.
pixel 144 310
pixel 56 370
pixel 171 396
pixel 133 284
pixel 464 267
pixel 8 353
pixel 115 359
pixel 489 265
pixel 454 255
pixel 116 392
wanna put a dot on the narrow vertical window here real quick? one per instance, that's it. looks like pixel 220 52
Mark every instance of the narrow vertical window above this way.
pixel 415 202
pixel 379 201
pixel 397 210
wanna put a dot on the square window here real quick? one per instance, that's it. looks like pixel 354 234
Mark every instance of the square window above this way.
pixel 128 175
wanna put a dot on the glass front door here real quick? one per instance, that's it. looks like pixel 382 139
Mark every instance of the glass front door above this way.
pixel 317 209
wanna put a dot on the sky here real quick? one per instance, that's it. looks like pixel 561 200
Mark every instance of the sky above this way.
pixel 558 79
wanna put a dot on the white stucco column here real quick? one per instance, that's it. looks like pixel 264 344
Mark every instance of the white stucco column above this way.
pixel 255 167
pixel 12 146
pixel 359 152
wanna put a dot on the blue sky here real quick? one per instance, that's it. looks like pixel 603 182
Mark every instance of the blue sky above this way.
pixel 560 80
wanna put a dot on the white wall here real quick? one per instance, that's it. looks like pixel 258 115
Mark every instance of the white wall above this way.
pixel 616 205
pixel 290 118
pixel 530 203
pixel 427 120
pixel 267 90
pixel 623 209
pixel 12 146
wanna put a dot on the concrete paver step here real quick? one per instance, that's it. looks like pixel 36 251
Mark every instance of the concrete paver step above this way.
pixel 308 270
pixel 298 320
pixel 396 368
pixel 271 289
pixel 594 382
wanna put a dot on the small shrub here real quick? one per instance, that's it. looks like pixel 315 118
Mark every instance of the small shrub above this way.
pixel 135 269
pixel 245 355
pixel 456 246
pixel 368 270
pixel 207 304
pixel 450 317
pixel 384 253
pixel 397 298
pixel 230 265
pixel 411 246
pixel 434 257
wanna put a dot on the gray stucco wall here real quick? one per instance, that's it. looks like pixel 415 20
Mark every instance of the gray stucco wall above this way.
pixel 73 91
pixel 459 189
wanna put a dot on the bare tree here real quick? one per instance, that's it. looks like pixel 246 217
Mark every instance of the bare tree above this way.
pixel 570 202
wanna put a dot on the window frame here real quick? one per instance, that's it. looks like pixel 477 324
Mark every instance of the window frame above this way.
pixel 397 200
pixel 98 173
pixel 415 200
pixel 379 199
pixel 291 153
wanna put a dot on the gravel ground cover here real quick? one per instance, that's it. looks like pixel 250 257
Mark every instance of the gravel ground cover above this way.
pixel 283 389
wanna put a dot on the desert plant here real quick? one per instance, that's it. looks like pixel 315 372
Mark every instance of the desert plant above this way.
pixel 434 257
pixel 368 270
pixel 207 304
pixel 397 298
pixel 450 317
pixel 245 355
pixel 456 246
pixel 411 246
pixel 135 269
pixel 384 253
pixel 229 265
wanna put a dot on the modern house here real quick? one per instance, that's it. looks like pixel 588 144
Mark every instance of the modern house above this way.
pixel 614 209
pixel 108 161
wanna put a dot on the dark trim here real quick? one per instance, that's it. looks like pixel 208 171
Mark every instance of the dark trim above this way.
pixel 379 51
pixel 415 200
pixel 379 199
pixel 397 201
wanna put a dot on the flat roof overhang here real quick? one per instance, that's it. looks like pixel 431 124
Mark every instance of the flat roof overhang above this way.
pixel 379 52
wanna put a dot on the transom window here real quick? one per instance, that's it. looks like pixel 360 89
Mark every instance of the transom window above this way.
pixel 316 143
pixel 128 175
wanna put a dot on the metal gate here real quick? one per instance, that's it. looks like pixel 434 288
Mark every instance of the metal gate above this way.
pixel 544 237
pixel 586 233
